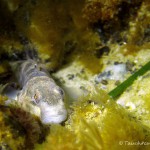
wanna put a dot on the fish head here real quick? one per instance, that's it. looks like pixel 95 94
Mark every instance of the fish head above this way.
pixel 52 105
pixel 50 99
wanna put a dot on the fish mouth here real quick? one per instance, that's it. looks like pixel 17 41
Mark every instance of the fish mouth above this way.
pixel 52 114
pixel 47 118
pixel 53 119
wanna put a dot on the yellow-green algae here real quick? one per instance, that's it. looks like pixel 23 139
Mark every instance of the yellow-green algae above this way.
pixel 54 26
pixel 93 125
pixel 136 100
pixel 9 138
pixel 19 128
pixel 139 25
pixel 100 10
pixel 96 123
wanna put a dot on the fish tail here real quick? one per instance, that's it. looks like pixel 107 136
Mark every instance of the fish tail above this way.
pixel 29 50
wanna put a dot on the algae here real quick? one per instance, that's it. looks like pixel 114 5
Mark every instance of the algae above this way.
pixel 94 126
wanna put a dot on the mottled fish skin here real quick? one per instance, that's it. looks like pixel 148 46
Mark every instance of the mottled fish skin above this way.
pixel 42 91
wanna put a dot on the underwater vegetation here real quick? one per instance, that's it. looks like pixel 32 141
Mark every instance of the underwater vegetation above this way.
pixel 19 129
pixel 79 42
pixel 117 91
pixel 100 126
pixel 9 139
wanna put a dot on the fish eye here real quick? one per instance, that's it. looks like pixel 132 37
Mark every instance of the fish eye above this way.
pixel 61 92
pixel 35 99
